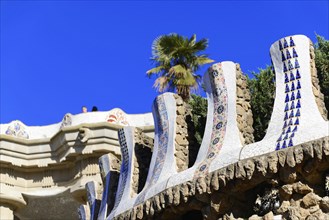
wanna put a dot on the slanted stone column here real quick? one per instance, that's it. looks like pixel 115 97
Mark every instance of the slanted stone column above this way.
pixel 93 198
pixel 109 167
pixel 84 212
pixel 163 164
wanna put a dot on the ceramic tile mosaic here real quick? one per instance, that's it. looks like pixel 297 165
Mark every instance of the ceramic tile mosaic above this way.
pixel 219 118
pixel 91 197
pixel 82 212
pixel 163 139
pixel 124 167
pixel 117 116
pixel 16 129
pixel 163 132
pixel 104 166
pixel 67 120
pixel 293 95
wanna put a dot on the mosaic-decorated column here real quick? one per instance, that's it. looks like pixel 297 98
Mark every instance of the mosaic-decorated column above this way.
pixel 226 139
pixel 124 190
pixel 108 181
pixel 83 212
pixel 296 117
pixel 221 142
pixel 216 127
pixel 93 201
pixel 162 164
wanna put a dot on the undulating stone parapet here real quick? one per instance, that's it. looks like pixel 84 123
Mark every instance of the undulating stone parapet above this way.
pixel 290 180
pixel 319 97
pixel 115 117
pixel 230 178
pixel 244 113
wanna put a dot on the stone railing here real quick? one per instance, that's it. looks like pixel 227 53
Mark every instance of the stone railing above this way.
pixel 41 175
pixel 19 130
pixel 229 171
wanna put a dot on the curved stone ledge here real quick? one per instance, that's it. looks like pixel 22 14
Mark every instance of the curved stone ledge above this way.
pixel 44 168
pixel 115 116
pixel 65 144
pixel 307 162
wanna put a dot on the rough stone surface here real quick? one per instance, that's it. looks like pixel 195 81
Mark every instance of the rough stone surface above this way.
pixel 319 97
pixel 311 199
pixel 324 204
pixel 228 193
pixel 143 153
pixel 181 140
pixel 243 108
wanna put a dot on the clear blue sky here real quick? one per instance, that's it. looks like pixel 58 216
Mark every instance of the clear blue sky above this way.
pixel 57 56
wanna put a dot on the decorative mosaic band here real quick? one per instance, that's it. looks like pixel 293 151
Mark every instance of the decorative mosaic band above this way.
pixel 104 165
pixel 117 116
pixel 82 212
pixel 16 129
pixel 67 120
pixel 163 132
pixel 219 90
pixel 292 75
pixel 92 201
pixel 124 167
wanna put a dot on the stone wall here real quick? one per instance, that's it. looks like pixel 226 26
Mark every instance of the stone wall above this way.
pixel 287 183
pixel 319 97
pixel 143 153
pixel 243 108
pixel 115 164
pixel 181 140
pixel 186 144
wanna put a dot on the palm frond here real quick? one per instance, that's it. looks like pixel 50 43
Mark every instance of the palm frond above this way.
pixel 178 71
pixel 161 84
pixel 154 70
pixel 201 60
pixel 192 40
pixel 176 60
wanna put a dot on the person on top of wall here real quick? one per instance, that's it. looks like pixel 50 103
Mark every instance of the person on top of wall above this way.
pixel 84 109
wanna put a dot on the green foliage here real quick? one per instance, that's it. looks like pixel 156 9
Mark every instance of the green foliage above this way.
pixel 322 67
pixel 198 105
pixel 262 90
pixel 176 59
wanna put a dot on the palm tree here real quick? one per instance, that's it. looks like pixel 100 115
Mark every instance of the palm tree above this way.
pixel 176 59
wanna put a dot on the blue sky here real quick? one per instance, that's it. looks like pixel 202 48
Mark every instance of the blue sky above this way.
pixel 57 56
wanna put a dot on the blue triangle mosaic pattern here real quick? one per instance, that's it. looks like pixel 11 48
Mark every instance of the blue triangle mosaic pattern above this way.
pixel 291 69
